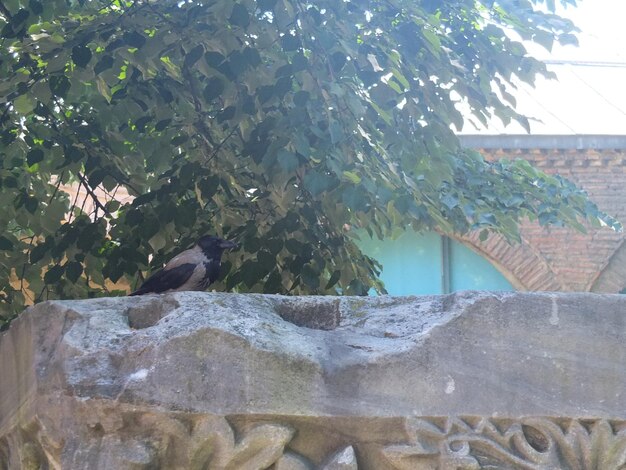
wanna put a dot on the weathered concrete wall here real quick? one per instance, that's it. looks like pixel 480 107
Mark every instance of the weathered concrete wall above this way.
pixel 226 381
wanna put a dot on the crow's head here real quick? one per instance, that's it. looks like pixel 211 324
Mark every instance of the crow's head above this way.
pixel 214 246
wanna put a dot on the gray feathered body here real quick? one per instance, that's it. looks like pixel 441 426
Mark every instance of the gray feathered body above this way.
pixel 194 269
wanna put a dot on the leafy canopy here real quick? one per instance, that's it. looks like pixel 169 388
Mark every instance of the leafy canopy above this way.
pixel 280 123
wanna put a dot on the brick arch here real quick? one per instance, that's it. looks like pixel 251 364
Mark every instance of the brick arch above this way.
pixel 519 263
pixel 612 278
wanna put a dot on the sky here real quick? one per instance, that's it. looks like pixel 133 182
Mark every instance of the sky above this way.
pixel 589 95
pixel 602 37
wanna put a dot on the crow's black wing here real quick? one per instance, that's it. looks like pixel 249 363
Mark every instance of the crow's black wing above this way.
pixel 166 279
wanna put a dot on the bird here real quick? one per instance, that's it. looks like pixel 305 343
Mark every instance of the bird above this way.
pixel 192 269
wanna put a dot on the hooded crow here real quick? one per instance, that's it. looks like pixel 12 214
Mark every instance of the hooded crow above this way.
pixel 193 269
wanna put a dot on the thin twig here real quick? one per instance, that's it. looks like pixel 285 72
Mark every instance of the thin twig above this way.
pixel 56 189
pixel 40 296
pixel 93 195
pixel 30 245
pixel 81 177
pixel 69 219
pixel 82 207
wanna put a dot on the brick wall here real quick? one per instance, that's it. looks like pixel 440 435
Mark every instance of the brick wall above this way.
pixel 563 259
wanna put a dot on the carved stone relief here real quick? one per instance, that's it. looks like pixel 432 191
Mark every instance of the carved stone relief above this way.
pixel 532 443
pixel 148 440
pixel 180 441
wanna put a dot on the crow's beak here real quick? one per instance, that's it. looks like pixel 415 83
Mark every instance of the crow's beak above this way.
pixel 226 244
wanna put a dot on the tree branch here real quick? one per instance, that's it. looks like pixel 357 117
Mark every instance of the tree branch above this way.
pixel 93 195
pixel 58 185
pixel 30 245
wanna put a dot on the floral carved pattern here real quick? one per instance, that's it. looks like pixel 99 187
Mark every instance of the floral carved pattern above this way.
pixel 529 444
pixel 213 446
pixel 198 442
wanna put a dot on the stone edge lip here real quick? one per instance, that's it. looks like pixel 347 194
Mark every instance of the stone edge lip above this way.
pixel 386 356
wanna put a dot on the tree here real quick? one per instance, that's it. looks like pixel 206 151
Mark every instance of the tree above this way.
pixel 280 123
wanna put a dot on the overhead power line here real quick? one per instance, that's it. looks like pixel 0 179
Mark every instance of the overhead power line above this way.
pixel 585 63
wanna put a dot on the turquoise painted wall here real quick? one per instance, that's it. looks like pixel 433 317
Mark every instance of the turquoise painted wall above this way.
pixel 413 265
pixel 469 270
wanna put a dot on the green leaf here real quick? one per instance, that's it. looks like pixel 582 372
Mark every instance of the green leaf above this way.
pixel 266 5
pixel 103 89
pixel 89 236
pixel 213 89
pixel 34 156
pixel 134 217
pixel 287 160
pixel 96 177
pixel 162 124
pixel 352 177
pixel 113 206
pixel 38 252
pixel 266 259
pixel 301 97
pixel 310 276
pixel 284 71
pixel 273 284
pixel 450 201
pixel 401 78
pixel 53 275
pixel 239 16
pixel 73 154
pixel 179 140
pixel 134 39
pixel 157 242
pixel 299 62
pixel 357 287
pixel 226 114
pixel 41 109
pixel 24 104
pixel 283 86
pixel 73 270
pixel 316 182
pixel 35 6
pixel 105 63
pixel 194 55
pixel 214 59
pixel 568 39
pixel 338 61
pixel 290 42
pixel 294 246
pixel 353 198
pixel 81 55
pixel 59 85
pixel 15 25
pixel 5 243
pixel 31 203
pixel 274 245
pixel 432 40
pixel 336 132
pixel 140 123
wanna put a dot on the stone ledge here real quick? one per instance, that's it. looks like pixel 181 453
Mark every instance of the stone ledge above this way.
pixel 227 381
